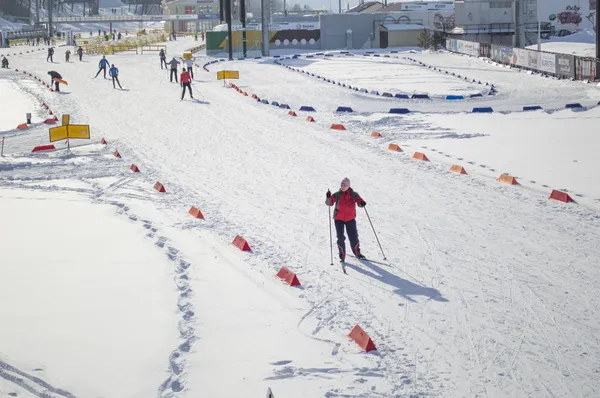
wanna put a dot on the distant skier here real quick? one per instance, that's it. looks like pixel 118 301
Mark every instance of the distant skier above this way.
pixel 80 53
pixel 163 58
pixel 119 36
pixel 189 63
pixel 102 66
pixel 196 35
pixel 67 55
pixel 50 55
pixel 4 62
pixel 173 65
pixel 345 201
pixel 114 73
pixel 55 75
pixel 186 81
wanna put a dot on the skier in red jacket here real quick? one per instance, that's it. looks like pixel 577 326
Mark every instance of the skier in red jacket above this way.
pixel 345 201
pixel 186 81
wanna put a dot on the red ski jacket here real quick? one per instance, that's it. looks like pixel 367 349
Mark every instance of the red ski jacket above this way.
pixel 185 77
pixel 345 204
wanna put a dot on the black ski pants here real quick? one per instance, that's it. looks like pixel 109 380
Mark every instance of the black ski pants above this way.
pixel 56 86
pixel 163 61
pixel 174 73
pixel 352 236
pixel 100 70
pixel 116 79
pixel 189 87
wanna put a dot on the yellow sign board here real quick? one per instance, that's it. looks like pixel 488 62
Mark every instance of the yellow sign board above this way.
pixel 187 55
pixel 58 133
pixel 228 74
pixel 68 131
pixel 78 131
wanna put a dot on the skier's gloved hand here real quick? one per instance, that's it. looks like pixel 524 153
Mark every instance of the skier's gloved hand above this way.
pixel 328 194
pixel 362 203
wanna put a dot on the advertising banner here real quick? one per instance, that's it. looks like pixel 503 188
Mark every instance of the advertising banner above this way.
pixel 547 62
pixel 502 54
pixel 584 69
pixel 69 37
pixel 465 47
pixel 533 58
pixel 520 57
pixel 565 65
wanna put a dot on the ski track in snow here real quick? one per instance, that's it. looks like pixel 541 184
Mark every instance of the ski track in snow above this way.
pixel 495 317
pixel 33 384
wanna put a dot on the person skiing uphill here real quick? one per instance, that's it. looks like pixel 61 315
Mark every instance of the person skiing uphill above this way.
pixel 102 66
pixel 189 64
pixel 50 55
pixel 80 52
pixel 186 81
pixel 163 59
pixel 173 65
pixel 344 214
pixel 114 73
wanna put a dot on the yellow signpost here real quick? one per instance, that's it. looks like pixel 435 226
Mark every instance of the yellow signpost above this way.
pixel 69 131
pixel 227 74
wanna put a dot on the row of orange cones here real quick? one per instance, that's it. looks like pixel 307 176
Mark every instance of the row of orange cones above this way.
pixel 555 195
pixel 285 274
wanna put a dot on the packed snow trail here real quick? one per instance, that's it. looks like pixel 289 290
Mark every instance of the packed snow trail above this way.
pixel 491 289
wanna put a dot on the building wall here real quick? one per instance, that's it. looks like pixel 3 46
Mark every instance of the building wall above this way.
pixel 334 27
pixel 404 38
pixel 484 12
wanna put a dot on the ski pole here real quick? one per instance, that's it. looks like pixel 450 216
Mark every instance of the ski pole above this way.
pixel 330 239
pixel 375 233
pixel 198 91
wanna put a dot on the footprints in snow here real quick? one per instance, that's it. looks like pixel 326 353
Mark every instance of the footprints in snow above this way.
pixel 174 383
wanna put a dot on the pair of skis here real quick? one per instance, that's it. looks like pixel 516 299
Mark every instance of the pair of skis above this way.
pixel 343 263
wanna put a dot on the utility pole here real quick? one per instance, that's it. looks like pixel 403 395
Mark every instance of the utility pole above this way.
pixel 50 7
pixel 539 25
pixel 265 7
pixel 229 30
pixel 243 21
pixel 221 10
pixel 598 33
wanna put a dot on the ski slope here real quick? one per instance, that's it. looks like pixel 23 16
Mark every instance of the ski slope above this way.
pixel 490 289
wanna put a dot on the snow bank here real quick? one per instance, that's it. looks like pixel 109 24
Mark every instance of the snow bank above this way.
pixel 81 288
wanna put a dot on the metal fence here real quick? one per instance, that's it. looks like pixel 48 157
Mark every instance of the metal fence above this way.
pixel 560 65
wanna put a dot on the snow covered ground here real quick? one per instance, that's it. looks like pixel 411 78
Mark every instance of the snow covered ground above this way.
pixel 489 289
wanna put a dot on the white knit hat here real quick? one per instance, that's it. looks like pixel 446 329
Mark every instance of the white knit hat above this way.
pixel 346 181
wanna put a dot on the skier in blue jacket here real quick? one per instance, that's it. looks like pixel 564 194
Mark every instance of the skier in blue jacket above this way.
pixel 114 73
pixel 102 66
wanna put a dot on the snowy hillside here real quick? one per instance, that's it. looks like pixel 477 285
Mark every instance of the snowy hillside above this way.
pixel 109 288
